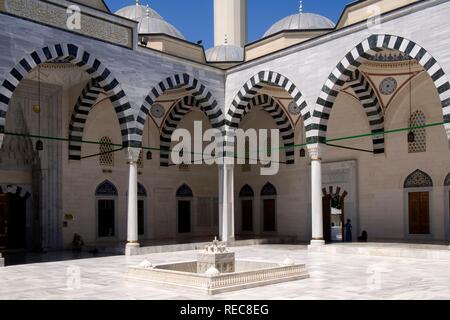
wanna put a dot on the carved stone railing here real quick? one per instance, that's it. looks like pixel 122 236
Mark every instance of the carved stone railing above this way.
pixel 93 23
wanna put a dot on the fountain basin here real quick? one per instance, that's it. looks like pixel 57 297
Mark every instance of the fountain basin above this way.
pixel 247 274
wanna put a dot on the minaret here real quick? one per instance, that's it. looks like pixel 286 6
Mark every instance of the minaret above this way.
pixel 230 22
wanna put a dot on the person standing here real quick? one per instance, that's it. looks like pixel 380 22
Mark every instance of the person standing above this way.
pixel 348 231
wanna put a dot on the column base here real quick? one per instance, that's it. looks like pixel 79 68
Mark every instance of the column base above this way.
pixel 317 243
pixel 132 249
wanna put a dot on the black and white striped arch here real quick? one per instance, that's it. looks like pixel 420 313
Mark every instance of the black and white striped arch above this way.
pixel 80 113
pixel 181 108
pixel 15 189
pixel 194 88
pixel 369 100
pixel 350 63
pixel 250 90
pixel 276 111
pixel 77 56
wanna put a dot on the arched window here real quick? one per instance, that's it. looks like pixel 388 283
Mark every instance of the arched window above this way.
pixel 419 184
pixel 246 194
pixel 418 119
pixel 184 192
pixel 106 152
pixel 269 194
pixel 268 190
pixel 184 203
pixel 106 188
pixel 106 194
pixel 418 179
pixel 447 181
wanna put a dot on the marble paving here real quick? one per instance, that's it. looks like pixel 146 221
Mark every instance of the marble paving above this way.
pixel 332 277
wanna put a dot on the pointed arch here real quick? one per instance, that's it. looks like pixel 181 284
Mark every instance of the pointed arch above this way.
pixel 80 113
pixel 418 179
pixel 184 191
pixel 176 114
pixel 277 112
pixel 142 192
pixel 250 89
pixel 246 192
pixel 106 188
pixel 372 107
pixel 447 181
pixel 268 190
pixel 316 133
pixel 193 87
pixel 87 62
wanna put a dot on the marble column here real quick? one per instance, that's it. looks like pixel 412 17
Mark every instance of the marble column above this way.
pixel 132 220
pixel 315 153
pixel 226 202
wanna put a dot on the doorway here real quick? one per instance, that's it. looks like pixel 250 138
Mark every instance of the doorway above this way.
pixel 269 215
pixel 419 212
pixel 333 215
pixel 247 215
pixel 184 216
pixel 12 222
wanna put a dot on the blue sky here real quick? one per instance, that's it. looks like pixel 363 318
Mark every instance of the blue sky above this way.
pixel 194 18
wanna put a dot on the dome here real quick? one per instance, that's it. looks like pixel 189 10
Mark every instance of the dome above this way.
pixel 301 21
pixel 149 21
pixel 149 25
pixel 137 12
pixel 224 53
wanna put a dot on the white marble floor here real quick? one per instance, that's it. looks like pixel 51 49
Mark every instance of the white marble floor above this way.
pixel 332 277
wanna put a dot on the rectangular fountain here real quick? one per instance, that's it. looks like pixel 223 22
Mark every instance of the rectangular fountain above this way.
pixel 216 271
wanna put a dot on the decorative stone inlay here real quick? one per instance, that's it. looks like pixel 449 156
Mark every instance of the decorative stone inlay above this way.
pixel 157 111
pixel 216 255
pixel 294 109
pixel 57 16
pixel 388 86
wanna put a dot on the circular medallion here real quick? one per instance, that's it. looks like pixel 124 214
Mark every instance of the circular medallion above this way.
pixel 157 111
pixel 388 86
pixel 294 109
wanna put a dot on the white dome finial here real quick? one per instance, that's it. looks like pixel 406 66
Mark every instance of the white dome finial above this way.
pixel 147 10
pixel 301 7
pixel 137 2
pixel 226 42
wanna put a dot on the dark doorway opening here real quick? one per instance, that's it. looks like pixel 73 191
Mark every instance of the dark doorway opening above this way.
pixel 247 215
pixel 106 227
pixel 269 215
pixel 12 222
pixel 141 220
pixel 184 216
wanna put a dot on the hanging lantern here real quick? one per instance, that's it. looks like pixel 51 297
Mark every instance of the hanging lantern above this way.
pixel 149 155
pixel 39 145
pixel 37 108
pixel 302 153
pixel 411 137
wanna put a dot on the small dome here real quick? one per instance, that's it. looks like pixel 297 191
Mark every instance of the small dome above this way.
pixel 212 272
pixel 301 21
pixel 150 25
pixel 137 12
pixel 150 21
pixel 225 53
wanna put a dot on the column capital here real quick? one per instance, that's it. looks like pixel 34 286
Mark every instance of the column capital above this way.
pixel 315 151
pixel 132 154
